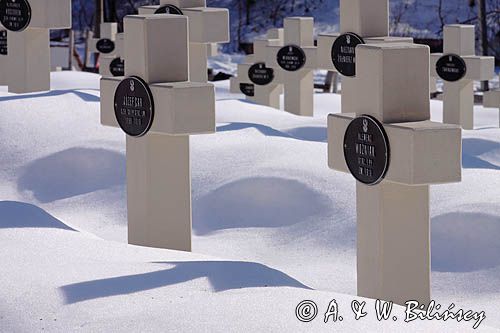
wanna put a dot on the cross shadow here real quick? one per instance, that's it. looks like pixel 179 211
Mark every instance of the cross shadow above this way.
pixel 313 134
pixel 222 275
pixel 72 172
pixel 53 93
pixel 472 151
pixel 15 214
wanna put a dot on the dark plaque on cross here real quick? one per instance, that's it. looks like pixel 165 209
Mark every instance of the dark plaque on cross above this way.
pixel 134 106
pixel 291 58
pixel 344 53
pixel 3 42
pixel 260 74
pixel 169 9
pixel 105 46
pixel 366 150
pixel 15 15
pixel 451 67
pixel 117 67
pixel 247 89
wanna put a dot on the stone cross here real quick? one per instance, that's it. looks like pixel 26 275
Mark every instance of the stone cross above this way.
pixel 207 26
pixel 294 63
pixel 491 99
pixel 255 80
pixel 361 22
pixel 158 108
pixel 459 67
pixel 28 23
pixel 389 145
pixel 106 44
pixel 113 64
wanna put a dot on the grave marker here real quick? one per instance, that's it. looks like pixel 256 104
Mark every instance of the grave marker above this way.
pixel 294 63
pixel 458 67
pixel 27 67
pixel 260 89
pixel 207 26
pixel 106 46
pixel 114 65
pixel 389 145
pixel 491 99
pixel 158 108
pixel 361 22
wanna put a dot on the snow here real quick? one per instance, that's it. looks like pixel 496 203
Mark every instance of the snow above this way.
pixel 273 225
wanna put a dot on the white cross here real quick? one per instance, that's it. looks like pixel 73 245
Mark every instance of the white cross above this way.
pixel 29 22
pixel 368 19
pixel 394 170
pixel 459 55
pixel 492 100
pixel 113 64
pixel 158 166
pixel 207 26
pixel 298 60
pixel 106 44
pixel 268 94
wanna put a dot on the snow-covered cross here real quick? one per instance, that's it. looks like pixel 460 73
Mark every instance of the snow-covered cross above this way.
pixel 28 23
pixel 207 26
pixel 255 80
pixel 105 44
pixel 158 108
pixel 491 99
pixel 113 64
pixel 389 145
pixel 459 67
pixel 361 22
pixel 294 62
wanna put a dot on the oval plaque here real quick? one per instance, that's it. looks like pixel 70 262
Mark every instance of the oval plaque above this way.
pixel 15 15
pixel 291 58
pixel 117 67
pixel 247 89
pixel 451 67
pixel 134 106
pixel 105 46
pixel 3 42
pixel 260 74
pixel 344 53
pixel 366 150
pixel 169 9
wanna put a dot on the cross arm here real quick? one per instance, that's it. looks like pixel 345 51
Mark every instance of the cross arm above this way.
pixel 177 112
pixel 311 53
pixel 492 99
pixel 478 68
pixel 50 14
pixel 421 153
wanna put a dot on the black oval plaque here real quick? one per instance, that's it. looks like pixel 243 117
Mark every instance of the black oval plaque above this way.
pixel 260 74
pixel 15 15
pixel 247 89
pixel 291 58
pixel 366 150
pixel 117 67
pixel 451 67
pixel 169 9
pixel 105 46
pixel 134 106
pixel 3 42
pixel 344 53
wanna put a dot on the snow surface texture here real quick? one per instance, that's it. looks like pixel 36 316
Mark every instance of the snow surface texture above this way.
pixel 272 224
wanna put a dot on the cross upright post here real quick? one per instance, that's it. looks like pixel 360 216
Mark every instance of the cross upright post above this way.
pixel 113 64
pixel 207 26
pixel 389 145
pixel 106 44
pixel 158 108
pixel 28 23
pixel 459 68
pixel 361 22
pixel 294 64
pixel 255 80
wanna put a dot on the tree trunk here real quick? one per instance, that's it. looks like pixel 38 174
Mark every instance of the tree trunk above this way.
pixel 483 35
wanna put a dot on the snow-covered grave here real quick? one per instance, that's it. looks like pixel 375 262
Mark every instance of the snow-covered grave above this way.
pixel 207 26
pixel 255 80
pixel 394 157
pixel 158 108
pixel 458 67
pixel 294 64
pixel 29 22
